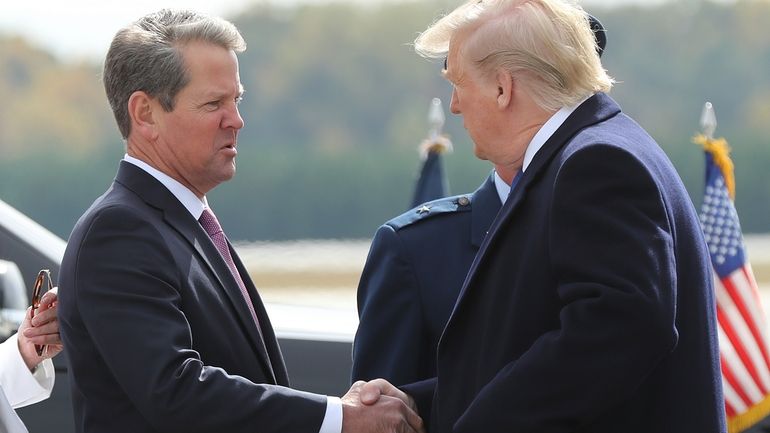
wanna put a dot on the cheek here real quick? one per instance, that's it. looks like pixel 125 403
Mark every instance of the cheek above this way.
pixel 204 129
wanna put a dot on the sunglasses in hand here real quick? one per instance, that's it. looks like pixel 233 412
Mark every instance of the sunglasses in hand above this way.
pixel 43 278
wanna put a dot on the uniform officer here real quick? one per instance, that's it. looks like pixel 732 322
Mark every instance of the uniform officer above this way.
pixel 413 274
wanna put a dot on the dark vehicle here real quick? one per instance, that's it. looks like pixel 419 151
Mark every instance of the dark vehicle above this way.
pixel 322 335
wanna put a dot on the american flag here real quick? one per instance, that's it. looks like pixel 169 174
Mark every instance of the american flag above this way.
pixel 743 331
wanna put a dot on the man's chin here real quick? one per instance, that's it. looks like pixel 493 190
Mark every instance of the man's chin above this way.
pixel 479 153
pixel 227 173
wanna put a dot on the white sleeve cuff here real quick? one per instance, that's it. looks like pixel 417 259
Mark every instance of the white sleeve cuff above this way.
pixel 333 417
pixel 20 386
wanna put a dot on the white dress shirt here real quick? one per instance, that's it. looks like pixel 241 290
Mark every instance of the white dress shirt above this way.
pixel 332 422
pixel 18 386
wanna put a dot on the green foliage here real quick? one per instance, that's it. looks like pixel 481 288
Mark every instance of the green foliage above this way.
pixel 337 77
pixel 336 103
pixel 47 105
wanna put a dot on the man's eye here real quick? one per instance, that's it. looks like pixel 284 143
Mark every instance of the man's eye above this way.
pixel 238 100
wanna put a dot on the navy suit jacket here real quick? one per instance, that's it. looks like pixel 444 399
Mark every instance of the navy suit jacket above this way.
pixel 590 306
pixel 158 335
pixel 416 266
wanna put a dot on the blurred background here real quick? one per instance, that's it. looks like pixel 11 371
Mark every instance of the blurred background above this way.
pixel 336 104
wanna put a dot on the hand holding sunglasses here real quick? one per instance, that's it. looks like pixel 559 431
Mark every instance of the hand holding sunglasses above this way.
pixel 42 326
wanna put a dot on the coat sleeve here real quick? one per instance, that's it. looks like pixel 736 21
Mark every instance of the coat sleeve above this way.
pixel 611 255
pixel 389 339
pixel 125 289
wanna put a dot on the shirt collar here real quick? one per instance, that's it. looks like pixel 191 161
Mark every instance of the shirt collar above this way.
pixel 546 131
pixel 189 200
pixel 503 189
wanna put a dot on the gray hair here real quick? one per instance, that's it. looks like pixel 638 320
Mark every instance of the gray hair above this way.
pixel 546 44
pixel 145 56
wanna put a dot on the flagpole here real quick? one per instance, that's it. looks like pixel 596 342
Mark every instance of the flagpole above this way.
pixel 437 141
pixel 436 118
pixel 708 120
pixel 431 183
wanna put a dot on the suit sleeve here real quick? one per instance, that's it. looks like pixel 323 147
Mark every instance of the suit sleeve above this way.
pixel 612 258
pixel 389 339
pixel 130 306
pixel 422 393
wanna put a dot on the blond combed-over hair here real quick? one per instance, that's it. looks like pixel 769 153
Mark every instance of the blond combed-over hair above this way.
pixel 546 45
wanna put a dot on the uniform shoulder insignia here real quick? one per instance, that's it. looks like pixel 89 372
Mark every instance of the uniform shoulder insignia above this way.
pixel 458 203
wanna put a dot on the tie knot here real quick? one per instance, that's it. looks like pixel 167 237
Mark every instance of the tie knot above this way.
pixel 209 222
pixel 514 181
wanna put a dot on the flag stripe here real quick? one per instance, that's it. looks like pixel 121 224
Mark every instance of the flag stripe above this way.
pixel 757 306
pixel 740 379
pixel 734 403
pixel 740 336
pixel 746 285
pixel 741 292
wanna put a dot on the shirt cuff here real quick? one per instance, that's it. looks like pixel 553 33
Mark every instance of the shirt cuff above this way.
pixel 20 386
pixel 333 417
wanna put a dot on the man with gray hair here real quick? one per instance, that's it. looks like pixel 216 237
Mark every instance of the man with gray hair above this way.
pixel 164 329
pixel 589 306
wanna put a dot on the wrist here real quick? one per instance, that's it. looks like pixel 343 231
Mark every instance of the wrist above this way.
pixel 28 354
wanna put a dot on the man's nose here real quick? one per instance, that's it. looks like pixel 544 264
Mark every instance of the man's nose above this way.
pixel 454 105
pixel 233 119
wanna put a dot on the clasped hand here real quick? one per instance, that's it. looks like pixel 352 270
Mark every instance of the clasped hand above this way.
pixel 378 406
pixel 42 330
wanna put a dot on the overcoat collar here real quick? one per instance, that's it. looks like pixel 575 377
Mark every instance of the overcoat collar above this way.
pixel 595 109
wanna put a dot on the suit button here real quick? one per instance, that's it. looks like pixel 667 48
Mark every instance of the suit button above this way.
pixel 463 201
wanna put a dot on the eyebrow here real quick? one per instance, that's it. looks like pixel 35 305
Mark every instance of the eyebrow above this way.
pixel 216 94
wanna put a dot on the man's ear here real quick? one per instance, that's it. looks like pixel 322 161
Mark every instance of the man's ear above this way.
pixel 505 88
pixel 141 110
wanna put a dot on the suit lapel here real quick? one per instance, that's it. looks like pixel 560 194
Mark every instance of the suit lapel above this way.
pixel 178 218
pixel 595 109
pixel 268 344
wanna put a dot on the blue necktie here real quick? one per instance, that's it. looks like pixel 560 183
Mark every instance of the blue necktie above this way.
pixel 515 181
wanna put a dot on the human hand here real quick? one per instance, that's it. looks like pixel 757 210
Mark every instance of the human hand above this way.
pixel 43 330
pixel 378 406
pixel 371 391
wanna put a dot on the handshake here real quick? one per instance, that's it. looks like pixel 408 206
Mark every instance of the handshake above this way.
pixel 378 406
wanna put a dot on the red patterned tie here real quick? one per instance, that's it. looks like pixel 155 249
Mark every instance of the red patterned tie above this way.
pixel 210 223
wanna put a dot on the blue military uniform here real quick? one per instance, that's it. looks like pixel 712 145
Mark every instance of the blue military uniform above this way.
pixel 416 266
